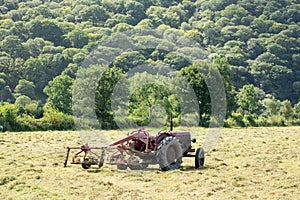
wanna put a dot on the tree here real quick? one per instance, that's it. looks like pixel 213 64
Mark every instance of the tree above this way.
pixel 59 92
pixel 46 29
pixel 136 10
pixel 297 109
pixel 42 69
pixel 8 116
pixel 272 105
pixel 26 88
pixel 176 61
pixel 35 46
pixel 273 79
pixel 247 98
pixel 94 13
pixel 195 79
pixel 13 46
pixel 152 102
pixel 287 110
pixel 78 38
pixel 128 60
pixel 106 84
pixel 255 47
pixel 235 13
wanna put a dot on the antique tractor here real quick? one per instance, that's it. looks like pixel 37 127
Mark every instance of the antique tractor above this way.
pixel 139 149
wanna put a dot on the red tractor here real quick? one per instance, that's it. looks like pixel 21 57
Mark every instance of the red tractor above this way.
pixel 139 149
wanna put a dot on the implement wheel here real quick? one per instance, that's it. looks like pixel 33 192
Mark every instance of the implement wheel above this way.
pixel 86 163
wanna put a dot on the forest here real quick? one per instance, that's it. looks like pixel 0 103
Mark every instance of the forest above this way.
pixel 254 44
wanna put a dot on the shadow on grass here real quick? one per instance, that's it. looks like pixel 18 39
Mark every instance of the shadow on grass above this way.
pixel 153 169
pixel 192 168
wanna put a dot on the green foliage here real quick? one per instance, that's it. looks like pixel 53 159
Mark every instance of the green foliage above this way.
pixel 78 38
pixel 26 88
pixel 55 120
pixel 153 102
pixel 287 110
pixel 8 116
pixel 257 42
pixel 104 90
pixel 247 98
pixel 46 29
pixel 196 80
pixel 59 92
pixel 128 60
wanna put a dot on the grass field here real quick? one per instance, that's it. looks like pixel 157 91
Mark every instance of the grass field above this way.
pixel 252 163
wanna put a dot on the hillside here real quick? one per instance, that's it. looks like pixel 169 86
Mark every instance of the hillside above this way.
pixel 254 42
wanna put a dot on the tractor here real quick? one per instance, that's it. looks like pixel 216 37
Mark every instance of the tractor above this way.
pixel 139 150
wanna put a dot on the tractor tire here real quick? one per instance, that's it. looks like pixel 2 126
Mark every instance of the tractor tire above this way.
pixel 169 154
pixel 199 158
pixel 122 166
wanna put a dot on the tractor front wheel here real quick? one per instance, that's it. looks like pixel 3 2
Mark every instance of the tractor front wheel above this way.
pixel 199 158
pixel 169 154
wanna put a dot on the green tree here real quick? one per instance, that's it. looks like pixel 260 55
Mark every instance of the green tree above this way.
pixel 297 109
pixel 13 46
pixel 106 84
pixel 196 80
pixel 35 46
pixel 26 88
pixel 272 105
pixel 8 116
pixel 145 101
pixel 78 38
pixel 287 110
pixel 95 14
pixel 46 29
pixel 128 60
pixel 45 67
pixel 176 61
pixel 136 10
pixel 247 98
pixel 59 92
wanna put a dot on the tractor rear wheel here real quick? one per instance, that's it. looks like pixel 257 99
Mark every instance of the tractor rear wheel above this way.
pixel 199 158
pixel 169 154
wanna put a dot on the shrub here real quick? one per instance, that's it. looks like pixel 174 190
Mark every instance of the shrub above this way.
pixel 238 119
pixel 55 120
pixel 8 116
pixel 26 123
pixel 249 120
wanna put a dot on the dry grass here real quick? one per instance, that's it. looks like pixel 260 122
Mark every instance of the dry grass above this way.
pixel 253 163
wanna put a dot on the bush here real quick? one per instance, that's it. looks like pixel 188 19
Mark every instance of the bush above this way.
pixel 26 123
pixel 262 121
pixel 237 119
pixel 8 116
pixel 249 120
pixel 52 120
pixel 277 120
pixel 55 120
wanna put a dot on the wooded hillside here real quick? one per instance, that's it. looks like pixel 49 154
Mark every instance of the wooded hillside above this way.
pixel 254 43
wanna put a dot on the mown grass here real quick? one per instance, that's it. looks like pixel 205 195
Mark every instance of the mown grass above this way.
pixel 252 163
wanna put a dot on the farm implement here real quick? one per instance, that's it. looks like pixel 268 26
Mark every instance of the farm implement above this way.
pixel 139 149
